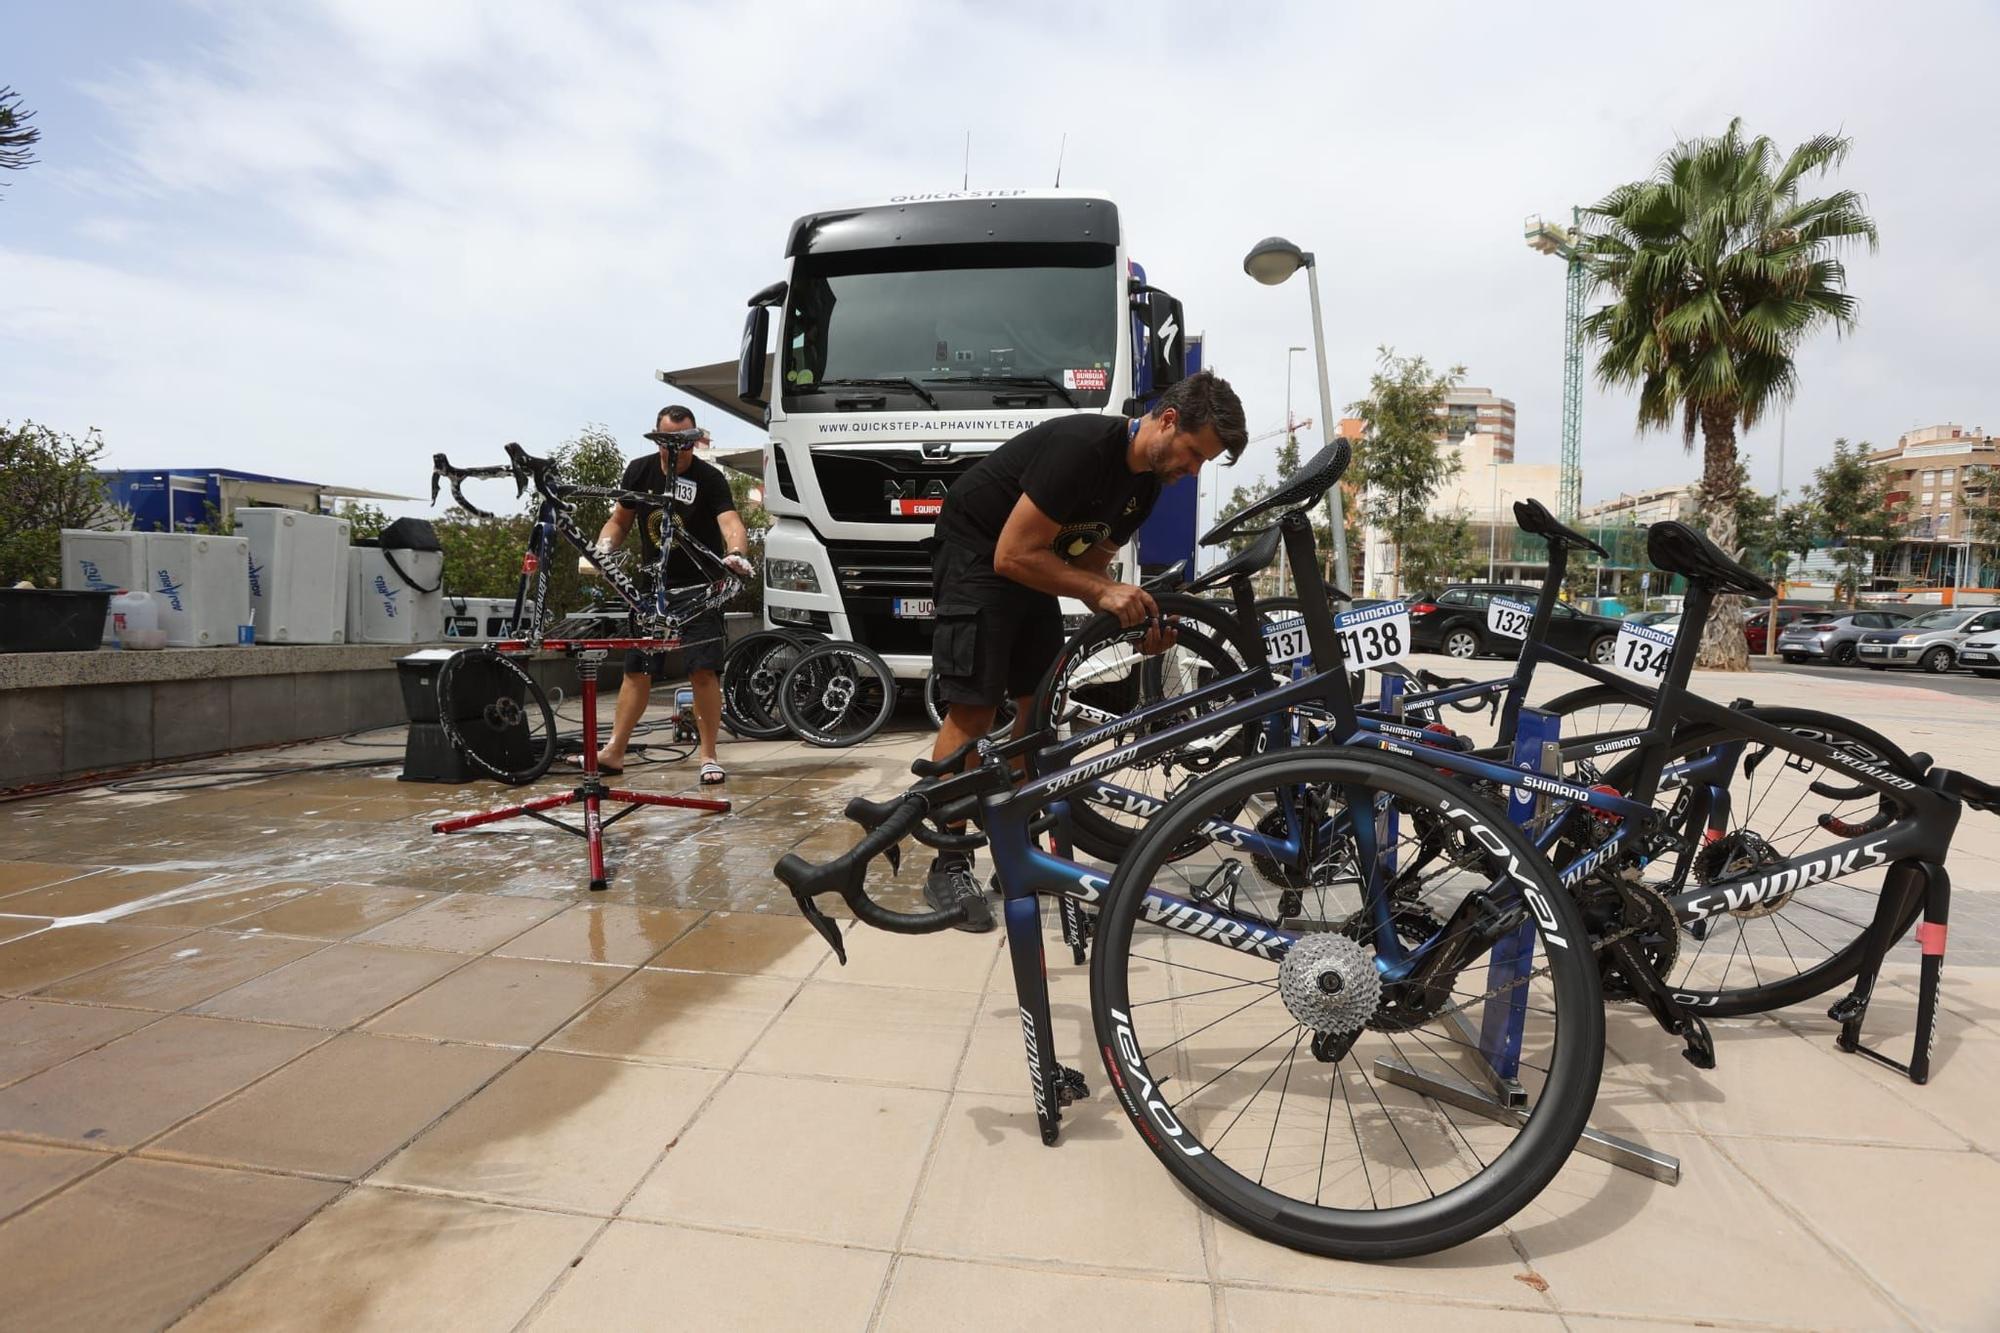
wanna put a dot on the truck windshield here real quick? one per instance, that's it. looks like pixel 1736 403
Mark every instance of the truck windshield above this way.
pixel 968 322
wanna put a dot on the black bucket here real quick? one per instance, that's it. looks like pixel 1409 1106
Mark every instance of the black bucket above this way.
pixel 51 620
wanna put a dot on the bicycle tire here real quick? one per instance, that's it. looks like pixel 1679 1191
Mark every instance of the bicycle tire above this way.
pixel 1841 963
pixel 1161 1098
pixel 751 673
pixel 484 721
pixel 1003 716
pixel 837 694
pixel 1210 637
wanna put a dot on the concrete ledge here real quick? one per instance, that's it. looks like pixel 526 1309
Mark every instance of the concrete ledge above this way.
pixel 66 715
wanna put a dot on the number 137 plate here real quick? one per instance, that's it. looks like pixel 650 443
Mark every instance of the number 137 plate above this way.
pixel 1374 635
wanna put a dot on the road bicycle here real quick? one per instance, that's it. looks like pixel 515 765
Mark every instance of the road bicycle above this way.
pixel 1431 946
pixel 489 703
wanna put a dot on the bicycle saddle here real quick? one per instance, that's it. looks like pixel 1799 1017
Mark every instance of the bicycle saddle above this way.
pixel 1320 474
pixel 1253 559
pixel 1679 549
pixel 1534 517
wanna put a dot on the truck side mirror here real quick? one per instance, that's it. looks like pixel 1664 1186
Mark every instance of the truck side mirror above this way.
pixel 1166 339
pixel 752 357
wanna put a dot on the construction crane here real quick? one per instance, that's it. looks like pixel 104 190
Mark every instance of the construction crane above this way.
pixel 1278 430
pixel 1551 238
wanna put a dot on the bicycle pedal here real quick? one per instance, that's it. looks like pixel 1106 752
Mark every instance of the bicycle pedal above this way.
pixel 1070 1086
pixel 1700 1050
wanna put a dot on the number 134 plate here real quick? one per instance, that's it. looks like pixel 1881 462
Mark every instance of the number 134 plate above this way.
pixel 1374 635
pixel 1642 652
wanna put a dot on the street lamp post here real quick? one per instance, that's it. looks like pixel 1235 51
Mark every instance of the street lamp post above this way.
pixel 1271 261
pixel 1284 565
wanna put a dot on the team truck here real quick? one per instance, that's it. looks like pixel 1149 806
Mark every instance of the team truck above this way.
pixel 914 337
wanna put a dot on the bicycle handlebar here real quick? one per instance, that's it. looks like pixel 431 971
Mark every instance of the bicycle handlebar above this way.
pixel 441 468
pixel 846 875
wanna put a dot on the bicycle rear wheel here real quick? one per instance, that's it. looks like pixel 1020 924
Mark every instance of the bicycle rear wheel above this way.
pixel 1100 679
pixel 1801 943
pixel 1003 716
pixel 1314 1093
pixel 751 672
pixel 493 712
pixel 837 694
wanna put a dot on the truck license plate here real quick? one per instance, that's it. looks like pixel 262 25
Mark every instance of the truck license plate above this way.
pixel 914 608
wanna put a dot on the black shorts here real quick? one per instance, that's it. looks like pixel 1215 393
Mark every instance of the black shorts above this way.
pixel 994 638
pixel 702 645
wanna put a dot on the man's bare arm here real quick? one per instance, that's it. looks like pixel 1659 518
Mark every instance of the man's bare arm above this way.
pixel 1026 554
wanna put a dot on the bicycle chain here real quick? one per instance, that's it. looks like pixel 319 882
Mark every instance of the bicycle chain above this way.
pixel 1597 946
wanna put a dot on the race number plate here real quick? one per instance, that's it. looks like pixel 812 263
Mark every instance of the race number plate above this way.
pixel 914 608
pixel 1285 640
pixel 1374 635
pixel 1508 619
pixel 1642 652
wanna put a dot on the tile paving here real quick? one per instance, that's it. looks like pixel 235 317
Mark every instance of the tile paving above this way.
pixel 273 1055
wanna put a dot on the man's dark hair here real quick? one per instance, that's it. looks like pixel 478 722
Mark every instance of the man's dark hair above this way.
pixel 676 413
pixel 1205 399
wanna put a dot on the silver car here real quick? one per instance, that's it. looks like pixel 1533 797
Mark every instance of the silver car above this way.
pixel 1930 641
pixel 1833 640
pixel 1981 653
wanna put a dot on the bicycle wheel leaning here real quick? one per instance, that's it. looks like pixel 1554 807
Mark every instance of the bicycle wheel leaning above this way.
pixel 750 675
pixel 1307 1097
pixel 1003 716
pixel 494 713
pixel 1101 676
pixel 837 694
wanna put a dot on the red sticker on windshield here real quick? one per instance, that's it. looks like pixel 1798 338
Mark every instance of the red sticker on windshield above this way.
pixel 1089 379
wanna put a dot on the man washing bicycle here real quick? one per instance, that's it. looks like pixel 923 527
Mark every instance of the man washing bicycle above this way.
pixel 1040 518
pixel 704 506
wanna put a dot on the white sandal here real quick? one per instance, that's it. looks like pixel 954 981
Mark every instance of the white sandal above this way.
pixel 712 774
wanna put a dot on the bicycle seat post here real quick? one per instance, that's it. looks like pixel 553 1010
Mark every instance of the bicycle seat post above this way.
pixel 1330 663
pixel 1538 632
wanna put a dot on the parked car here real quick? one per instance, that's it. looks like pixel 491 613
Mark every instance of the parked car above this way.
pixel 1833 640
pixel 1651 617
pixel 1754 622
pixel 1930 641
pixel 1453 622
pixel 1981 653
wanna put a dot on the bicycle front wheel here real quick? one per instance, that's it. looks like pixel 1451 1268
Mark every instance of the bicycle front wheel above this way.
pixel 495 714
pixel 1298 1032
pixel 837 694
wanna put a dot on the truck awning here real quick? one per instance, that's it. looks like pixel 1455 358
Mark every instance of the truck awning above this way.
pixel 716 386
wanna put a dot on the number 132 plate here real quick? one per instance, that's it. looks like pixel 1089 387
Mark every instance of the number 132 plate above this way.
pixel 1374 635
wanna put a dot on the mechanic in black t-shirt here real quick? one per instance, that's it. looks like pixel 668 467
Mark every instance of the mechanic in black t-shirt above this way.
pixel 1041 517
pixel 705 507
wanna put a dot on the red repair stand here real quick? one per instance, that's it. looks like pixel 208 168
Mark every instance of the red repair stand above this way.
pixel 591 792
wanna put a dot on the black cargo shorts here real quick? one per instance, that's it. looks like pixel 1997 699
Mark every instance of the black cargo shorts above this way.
pixel 994 639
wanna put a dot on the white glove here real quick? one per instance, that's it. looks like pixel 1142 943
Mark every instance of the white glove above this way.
pixel 588 570
pixel 739 565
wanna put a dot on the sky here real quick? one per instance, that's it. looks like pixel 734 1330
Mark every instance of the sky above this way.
pixel 327 238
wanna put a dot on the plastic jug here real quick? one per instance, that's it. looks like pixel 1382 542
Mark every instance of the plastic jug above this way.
pixel 132 611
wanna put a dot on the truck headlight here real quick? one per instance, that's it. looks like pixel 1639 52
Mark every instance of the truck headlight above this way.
pixel 791 575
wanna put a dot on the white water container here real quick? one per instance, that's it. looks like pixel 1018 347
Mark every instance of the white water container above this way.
pixel 384 607
pixel 298 574
pixel 141 613
pixel 200 585
pixel 103 561
pixel 480 619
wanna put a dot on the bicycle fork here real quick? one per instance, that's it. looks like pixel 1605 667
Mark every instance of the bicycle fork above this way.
pixel 1908 882
pixel 1054 1085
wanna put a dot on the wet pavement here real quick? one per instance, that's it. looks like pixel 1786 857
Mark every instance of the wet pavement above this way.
pixel 273 1055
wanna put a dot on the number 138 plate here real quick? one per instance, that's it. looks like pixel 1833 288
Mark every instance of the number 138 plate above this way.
pixel 1374 635
pixel 1642 652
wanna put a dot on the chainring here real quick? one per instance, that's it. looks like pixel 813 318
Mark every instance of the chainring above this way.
pixel 1415 923
pixel 1626 907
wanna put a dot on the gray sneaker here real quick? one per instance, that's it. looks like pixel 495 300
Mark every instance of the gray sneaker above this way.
pixel 949 884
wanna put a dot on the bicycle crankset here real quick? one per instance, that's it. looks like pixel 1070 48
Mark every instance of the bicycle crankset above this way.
pixel 1640 911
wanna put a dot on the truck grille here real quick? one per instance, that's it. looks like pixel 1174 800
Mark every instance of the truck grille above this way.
pixel 870 577
pixel 860 484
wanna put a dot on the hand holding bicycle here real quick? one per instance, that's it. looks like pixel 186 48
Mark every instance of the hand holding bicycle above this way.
pixel 739 564
pixel 1130 603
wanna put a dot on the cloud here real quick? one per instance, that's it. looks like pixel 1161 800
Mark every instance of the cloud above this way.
pixel 328 239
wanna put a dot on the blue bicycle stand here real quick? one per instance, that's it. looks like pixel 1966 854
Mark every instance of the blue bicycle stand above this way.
pixel 1495 1039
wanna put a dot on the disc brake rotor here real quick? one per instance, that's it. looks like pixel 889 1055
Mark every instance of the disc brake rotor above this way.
pixel 1735 854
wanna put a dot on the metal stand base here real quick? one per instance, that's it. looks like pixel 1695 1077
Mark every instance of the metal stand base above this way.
pixel 1594 1143
pixel 592 793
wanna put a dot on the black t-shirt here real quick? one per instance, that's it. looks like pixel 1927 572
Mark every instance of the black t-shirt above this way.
pixel 1074 469
pixel 699 495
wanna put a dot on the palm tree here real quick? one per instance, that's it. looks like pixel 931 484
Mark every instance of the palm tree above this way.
pixel 1717 271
